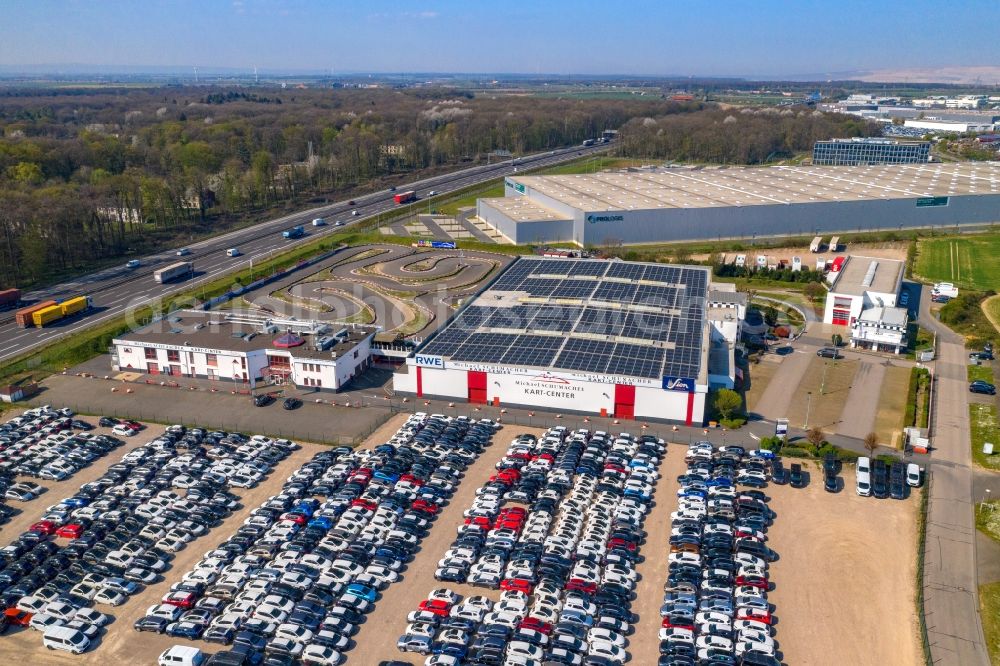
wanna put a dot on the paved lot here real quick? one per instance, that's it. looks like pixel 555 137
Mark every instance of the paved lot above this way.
pixel 858 416
pixel 121 644
pixel 846 578
pixel 776 399
pixel 311 422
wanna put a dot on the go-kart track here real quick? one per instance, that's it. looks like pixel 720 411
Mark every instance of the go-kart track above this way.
pixel 401 289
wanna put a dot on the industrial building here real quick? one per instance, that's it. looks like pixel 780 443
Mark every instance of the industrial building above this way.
pixel 246 350
pixel 860 283
pixel 610 338
pixel 864 152
pixel 680 204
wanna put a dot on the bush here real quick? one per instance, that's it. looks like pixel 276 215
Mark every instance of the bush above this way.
pixel 774 444
pixel 887 458
pixel 733 423
pixel 847 455
pixel 826 449
pixel 795 452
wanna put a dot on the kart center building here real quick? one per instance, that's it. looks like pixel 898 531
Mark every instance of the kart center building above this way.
pixel 605 338
pixel 657 205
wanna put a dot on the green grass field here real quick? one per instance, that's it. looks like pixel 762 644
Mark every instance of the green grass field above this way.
pixel 970 261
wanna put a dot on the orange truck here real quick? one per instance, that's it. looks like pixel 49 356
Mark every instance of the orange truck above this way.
pixel 23 317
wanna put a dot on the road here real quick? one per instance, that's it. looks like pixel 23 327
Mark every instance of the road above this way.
pixel 951 588
pixel 116 291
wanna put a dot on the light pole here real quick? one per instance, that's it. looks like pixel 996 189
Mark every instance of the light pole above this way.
pixel 986 499
pixel 809 396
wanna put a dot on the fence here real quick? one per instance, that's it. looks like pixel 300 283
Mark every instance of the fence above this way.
pixel 921 547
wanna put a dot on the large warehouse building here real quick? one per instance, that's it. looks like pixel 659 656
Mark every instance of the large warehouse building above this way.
pixel 678 204
pixel 610 338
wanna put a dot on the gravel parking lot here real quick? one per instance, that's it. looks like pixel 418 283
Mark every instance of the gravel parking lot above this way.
pixel 846 575
pixel 121 644
pixel 377 639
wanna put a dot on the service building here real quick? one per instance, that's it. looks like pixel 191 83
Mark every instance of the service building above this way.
pixel 862 283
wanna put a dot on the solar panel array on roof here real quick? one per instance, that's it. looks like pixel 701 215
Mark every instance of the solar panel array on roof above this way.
pixel 610 329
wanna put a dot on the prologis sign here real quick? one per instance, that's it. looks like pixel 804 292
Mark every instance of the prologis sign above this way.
pixel 594 218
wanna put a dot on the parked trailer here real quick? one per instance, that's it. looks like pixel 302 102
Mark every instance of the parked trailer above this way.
pixel 23 317
pixel 174 271
pixel 405 197
pixel 46 315
pixel 9 298
pixel 816 244
pixel 834 243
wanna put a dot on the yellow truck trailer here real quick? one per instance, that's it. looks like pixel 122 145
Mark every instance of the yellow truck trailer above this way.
pixel 74 305
pixel 47 315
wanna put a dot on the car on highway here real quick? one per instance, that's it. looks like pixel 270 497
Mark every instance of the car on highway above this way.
pixel 979 386
pixel 233 252
pixel 319 222
pixel 354 212
pixel 183 252
pixel 829 352
pixel 133 263
pixel 432 193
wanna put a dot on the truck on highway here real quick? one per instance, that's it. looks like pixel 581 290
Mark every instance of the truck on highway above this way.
pixel 23 316
pixel 174 272
pixel 405 197
pixel 46 312
pixel 588 142
pixel 9 298
pixel 294 232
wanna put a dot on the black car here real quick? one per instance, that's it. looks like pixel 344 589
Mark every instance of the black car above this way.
pixel 263 400
pixel 830 483
pixel 796 477
pixel 829 352
pixel 291 403
pixel 107 422
pixel 979 386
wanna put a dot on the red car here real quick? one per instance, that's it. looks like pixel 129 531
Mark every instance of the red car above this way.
pixel 71 531
pixel 481 521
pixel 536 624
pixel 622 543
pixel 412 479
pixel 45 527
pixel 667 624
pixel 183 600
pixel 753 614
pixel 365 504
pixel 17 618
pixel 436 606
pixel 296 518
pixel 517 584
pixel 580 585
pixel 514 511
pixel 134 425
pixel 752 581
pixel 425 506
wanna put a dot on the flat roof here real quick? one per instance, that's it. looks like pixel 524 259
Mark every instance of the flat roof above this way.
pixel 212 330
pixel 585 315
pixel 854 279
pixel 523 209
pixel 744 186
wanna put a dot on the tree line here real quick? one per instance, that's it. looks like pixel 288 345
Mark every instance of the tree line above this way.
pixel 90 175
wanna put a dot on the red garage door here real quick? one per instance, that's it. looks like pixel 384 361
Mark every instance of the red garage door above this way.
pixel 477 387
pixel 841 311
pixel 624 401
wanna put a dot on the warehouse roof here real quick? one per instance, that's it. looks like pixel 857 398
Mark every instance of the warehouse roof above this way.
pixel 607 317
pixel 523 209
pixel 861 274
pixel 741 186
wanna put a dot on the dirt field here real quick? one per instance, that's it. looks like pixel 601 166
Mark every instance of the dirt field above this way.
pixel 829 393
pixel 121 644
pixel 760 376
pixel 892 404
pixel 845 580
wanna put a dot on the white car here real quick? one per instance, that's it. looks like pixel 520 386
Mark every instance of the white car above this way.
pixel 293 632
pixel 599 634
pixel 110 597
pixel 676 634
pixel 607 651
pixel 747 646
pixel 716 642
pixel 320 655
pixel 90 616
pixel 166 611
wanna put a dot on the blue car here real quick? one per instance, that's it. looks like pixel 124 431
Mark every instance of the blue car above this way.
pixel 188 630
pixel 384 476
pixel 76 501
pixel 321 522
pixel 363 591
pixel 724 481
pixel 451 649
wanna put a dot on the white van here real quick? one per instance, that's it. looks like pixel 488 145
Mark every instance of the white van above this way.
pixel 181 655
pixel 319 222
pixel 864 465
pixel 233 252
pixel 864 484
pixel 913 475
pixel 65 639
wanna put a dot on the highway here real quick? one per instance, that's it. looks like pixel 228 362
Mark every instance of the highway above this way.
pixel 116 291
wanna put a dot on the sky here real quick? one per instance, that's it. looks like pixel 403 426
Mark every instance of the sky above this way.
pixel 753 38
